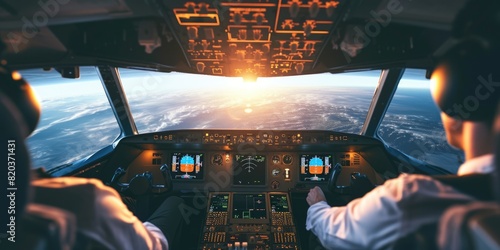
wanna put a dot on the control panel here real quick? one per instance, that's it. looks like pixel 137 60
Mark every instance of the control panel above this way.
pixel 253 38
pixel 242 160
pixel 267 138
pixel 241 221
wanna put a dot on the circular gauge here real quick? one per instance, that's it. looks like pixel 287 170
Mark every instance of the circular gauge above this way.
pixel 287 159
pixel 276 159
pixel 217 159
pixel 276 172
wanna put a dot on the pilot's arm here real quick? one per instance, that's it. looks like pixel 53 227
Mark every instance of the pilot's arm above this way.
pixel 382 216
pixel 126 230
pixel 100 212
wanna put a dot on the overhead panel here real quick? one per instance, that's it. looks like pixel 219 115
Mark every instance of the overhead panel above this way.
pixel 253 37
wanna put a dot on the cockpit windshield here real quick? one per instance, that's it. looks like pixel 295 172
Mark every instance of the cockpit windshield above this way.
pixel 77 119
pixel 326 101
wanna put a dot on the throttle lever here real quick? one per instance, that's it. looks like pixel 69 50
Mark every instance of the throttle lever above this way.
pixel 119 172
pixel 360 185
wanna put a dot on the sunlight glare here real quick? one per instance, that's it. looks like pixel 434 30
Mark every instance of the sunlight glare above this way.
pixel 248 109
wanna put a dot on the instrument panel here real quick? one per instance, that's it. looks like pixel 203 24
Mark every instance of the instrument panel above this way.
pixel 231 164
pixel 249 220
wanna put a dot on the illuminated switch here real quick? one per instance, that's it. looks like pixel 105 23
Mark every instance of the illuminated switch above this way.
pixel 313 8
pixel 209 33
pixel 294 8
pixel 287 174
pixel 232 48
pixel 330 7
pixel 299 67
pixel 205 44
pixel 309 45
pixel 266 48
pixel 200 66
pixel 237 18
pixel 249 48
pixel 294 46
pixel 190 7
pixel 241 55
pixel 217 71
pixel 282 43
pixel 203 8
pixel 242 34
pixel 259 18
pixel 191 45
pixel 192 33
pixel 257 55
pixel 257 34
pixel 308 28
pixel 287 24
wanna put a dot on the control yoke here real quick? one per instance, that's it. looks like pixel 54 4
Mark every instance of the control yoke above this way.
pixel 332 182
pixel 142 184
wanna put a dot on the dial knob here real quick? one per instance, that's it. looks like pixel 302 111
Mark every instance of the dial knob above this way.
pixel 287 159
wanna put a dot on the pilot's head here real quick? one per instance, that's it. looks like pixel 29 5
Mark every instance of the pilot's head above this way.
pixel 466 80
pixel 19 114
pixel 466 88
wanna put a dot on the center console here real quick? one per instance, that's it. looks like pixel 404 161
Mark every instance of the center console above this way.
pixel 241 221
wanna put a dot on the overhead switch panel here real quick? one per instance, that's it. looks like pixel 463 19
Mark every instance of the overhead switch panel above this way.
pixel 253 37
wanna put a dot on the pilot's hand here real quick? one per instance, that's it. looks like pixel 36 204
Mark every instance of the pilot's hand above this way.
pixel 315 195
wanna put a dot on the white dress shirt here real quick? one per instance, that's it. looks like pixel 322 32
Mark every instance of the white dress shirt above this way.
pixel 100 213
pixel 390 211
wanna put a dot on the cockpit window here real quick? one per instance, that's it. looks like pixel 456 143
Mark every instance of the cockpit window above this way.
pixel 76 118
pixel 164 101
pixel 413 125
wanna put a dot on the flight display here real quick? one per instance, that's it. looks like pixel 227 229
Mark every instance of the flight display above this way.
pixel 279 203
pixel 249 170
pixel 249 206
pixel 218 203
pixel 315 167
pixel 187 166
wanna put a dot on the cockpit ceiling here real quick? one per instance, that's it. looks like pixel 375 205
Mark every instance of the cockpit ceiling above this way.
pixel 248 38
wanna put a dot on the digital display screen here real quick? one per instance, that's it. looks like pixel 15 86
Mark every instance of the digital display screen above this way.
pixel 218 203
pixel 315 167
pixel 249 206
pixel 187 166
pixel 279 203
pixel 249 170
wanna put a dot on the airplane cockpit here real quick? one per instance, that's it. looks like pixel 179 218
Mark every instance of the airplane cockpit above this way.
pixel 238 107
